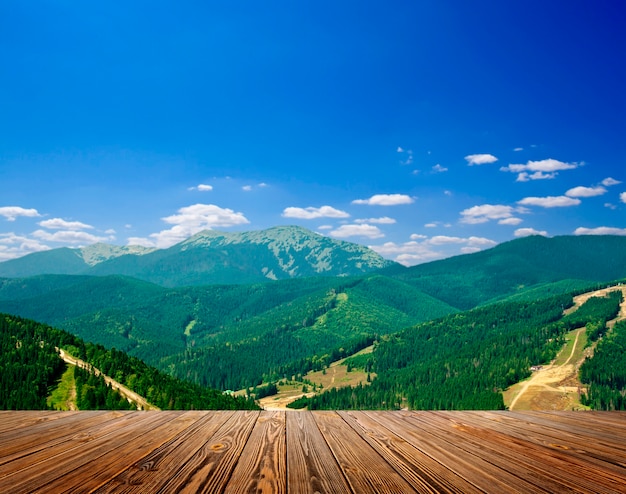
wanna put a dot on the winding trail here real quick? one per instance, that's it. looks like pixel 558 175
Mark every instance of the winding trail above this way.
pixel 127 393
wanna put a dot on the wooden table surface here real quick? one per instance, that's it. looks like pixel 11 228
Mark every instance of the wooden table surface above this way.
pixel 306 452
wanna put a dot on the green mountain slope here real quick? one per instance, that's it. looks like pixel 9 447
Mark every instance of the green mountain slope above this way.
pixel 233 335
pixel 30 365
pixel 285 321
pixel 470 280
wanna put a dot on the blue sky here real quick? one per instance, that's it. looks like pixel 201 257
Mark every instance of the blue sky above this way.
pixel 422 129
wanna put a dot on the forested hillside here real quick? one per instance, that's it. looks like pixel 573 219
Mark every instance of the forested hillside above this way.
pixel 513 267
pixel 30 367
pixel 462 361
pixel 237 335
pixel 466 360
pixel 605 373
pixel 225 336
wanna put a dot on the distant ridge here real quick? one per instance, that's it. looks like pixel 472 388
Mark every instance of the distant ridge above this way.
pixel 471 279
pixel 210 257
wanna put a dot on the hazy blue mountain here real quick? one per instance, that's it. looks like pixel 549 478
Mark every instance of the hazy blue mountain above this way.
pixel 211 257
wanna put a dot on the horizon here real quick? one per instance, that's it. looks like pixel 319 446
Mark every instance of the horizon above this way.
pixel 423 131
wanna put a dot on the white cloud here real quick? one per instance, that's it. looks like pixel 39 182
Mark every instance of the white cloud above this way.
pixel 443 240
pixel 550 201
pixel 202 187
pixel 189 221
pixel 417 236
pixel 13 246
pixel 110 231
pixel 143 242
pixel 607 182
pixel 487 212
pixel 586 191
pixel 518 149
pixel 510 221
pixel 422 249
pixel 409 156
pixel 385 200
pixel 385 220
pixel 622 197
pixel 430 225
pixel 408 253
pixel 481 242
pixel 601 230
pixel 526 177
pixel 526 232
pixel 439 169
pixel 61 224
pixel 480 159
pixel 311 213
pixel 206 216
pixel 69 237
pixel 247 188
pixel 541 170
pixel 610 206
pixel 325 227
pixel 363 230
pixel 11 213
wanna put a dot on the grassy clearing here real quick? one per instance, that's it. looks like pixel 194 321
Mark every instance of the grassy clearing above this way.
pixel 63 397
pixel 335 376
pixel 566 351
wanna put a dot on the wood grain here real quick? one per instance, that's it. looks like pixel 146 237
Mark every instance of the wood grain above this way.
pixel 262 466
pixel 363 466
pixel 311 466
pixel 310 452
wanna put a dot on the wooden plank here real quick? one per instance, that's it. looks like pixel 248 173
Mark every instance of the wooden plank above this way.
pixel 40 422
pixel 11 420
pixel 425 474
pixel 47 467
pixel 547 468
pixel 28 440
pixel 153 472
pixel 209 469
pixel 311 466
pixel 41 445
pixel 365 470
pixel 577 438
pixel 118 458
pixel 411 426
pixel 262 466
pixel 339 452
pixel 576 426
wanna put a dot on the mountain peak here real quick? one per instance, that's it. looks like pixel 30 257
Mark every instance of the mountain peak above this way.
pixel 100 252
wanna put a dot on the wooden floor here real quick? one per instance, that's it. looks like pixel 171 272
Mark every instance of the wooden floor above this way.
pixel 306 452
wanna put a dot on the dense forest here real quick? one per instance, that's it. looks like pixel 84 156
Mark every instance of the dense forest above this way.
pixel 462 361
pixel 232 336
pixel 605 373
pixel 30 367
pixel 466 360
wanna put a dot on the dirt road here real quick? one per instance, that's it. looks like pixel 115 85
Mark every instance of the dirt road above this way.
pixel 556 387
pixel 127 393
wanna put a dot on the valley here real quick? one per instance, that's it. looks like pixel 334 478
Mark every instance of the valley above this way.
pixel 461 333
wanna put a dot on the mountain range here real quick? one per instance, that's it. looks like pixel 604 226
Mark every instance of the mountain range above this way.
pixel 335 295
pixel 210 257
